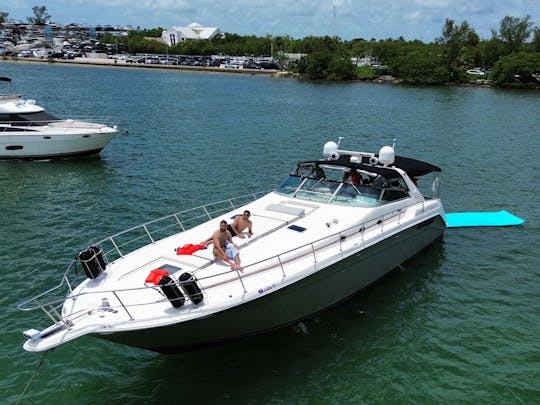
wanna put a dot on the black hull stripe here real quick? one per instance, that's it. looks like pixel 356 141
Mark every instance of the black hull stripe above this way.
pixel 54 156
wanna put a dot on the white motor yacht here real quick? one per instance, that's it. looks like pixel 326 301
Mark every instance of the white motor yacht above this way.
pixel 335 226
pixel 27 131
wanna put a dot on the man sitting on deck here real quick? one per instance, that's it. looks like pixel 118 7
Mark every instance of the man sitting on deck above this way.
pixel 240 223
pixel 224 248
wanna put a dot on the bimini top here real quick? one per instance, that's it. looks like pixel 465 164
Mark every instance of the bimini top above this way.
pixel 413 167
pixel 356 178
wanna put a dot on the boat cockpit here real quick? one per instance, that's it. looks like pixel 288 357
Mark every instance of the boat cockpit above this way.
pixel 357 178
pixel 336 183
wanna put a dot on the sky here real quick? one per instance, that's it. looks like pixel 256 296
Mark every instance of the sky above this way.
pixel 347 19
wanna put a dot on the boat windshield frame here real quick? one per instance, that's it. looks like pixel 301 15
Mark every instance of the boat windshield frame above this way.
pixel 331 184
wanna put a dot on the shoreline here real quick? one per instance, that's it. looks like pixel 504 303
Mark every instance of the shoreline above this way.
pixel 99 62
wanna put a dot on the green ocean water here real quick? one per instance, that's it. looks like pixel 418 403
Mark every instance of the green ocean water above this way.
pixel 459 324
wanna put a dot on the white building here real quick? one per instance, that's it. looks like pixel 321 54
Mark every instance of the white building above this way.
pixel 193 31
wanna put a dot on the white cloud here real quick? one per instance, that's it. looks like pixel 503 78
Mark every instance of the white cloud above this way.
pixel 433 3
pixel 413 17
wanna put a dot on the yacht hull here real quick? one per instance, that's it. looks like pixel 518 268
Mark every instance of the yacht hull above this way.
pixel 291 303
pixel 49 145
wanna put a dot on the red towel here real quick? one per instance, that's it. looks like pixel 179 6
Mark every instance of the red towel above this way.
pixel 156 275
pixel 189 249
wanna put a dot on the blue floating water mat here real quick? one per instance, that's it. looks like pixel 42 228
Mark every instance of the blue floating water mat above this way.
pixel 500 218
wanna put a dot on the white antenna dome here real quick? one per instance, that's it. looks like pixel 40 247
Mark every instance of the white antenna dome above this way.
pixel 330 151
pixel 387 155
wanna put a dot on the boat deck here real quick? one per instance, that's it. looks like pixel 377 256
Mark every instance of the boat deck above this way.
pixel 221 286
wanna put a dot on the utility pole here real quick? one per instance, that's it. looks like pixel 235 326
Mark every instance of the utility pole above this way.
pixel 334 21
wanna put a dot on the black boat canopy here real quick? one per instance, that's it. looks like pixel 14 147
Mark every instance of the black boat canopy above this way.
pixel 4 79
pixel 413 167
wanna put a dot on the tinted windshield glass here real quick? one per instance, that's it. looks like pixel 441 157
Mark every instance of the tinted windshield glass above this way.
pixel 38 118
pixel 337 186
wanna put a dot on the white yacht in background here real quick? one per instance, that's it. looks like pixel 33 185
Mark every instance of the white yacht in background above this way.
pixel 335 226
pixel 27 131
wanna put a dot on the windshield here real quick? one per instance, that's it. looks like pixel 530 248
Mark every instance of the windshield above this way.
pixel 36 118
pixel 337 185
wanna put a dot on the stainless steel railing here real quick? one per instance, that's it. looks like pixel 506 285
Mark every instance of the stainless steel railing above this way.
pixel 122 243
pixel 129 240
pixel 8 126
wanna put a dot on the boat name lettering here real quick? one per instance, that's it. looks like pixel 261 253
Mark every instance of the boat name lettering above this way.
pixel 267 288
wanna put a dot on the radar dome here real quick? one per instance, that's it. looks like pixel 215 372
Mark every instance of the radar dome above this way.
pixel 387 155
pixel 330 150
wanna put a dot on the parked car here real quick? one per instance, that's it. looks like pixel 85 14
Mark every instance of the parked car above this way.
pixel 269 65
pixel 476 72
pixel 251 65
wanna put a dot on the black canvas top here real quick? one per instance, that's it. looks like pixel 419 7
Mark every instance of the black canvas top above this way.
pixel 413 167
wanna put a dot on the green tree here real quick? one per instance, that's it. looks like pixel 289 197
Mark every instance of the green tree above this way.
pixel 387 49
pixel 314 65
pixel 514 31
pixel 471 55
pixel 420 64
pixel 3 17
pixel 136 41
pixel 366 72
pixel 521 69
pixel 536 40
pixel 153 32
pixel 341 68
pixel 320 44
pixel 282 43
pixel 458 44
pixel 360 48
pixel 327 59
pixel 234 44
pixel 194 48
pixel 490 51
pixel 41 16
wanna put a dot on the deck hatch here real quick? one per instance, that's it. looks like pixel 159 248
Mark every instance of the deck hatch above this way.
pixel 170 268
pixel 297 228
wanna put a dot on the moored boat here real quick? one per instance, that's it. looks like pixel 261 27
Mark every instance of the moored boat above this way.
pixel 27 131
pixel 333 227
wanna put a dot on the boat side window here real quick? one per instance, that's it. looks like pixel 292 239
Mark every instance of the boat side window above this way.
pixel 38 118
pixel 393 194
pixel 391 189
pixel 318 173
pixel 290 185
pixel 398 182
pixel 379 182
